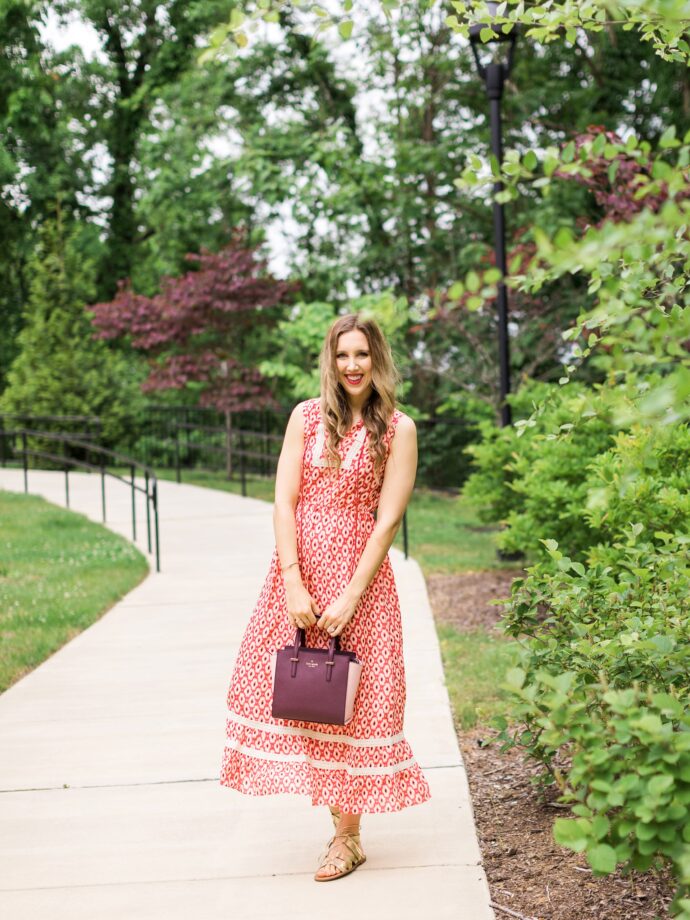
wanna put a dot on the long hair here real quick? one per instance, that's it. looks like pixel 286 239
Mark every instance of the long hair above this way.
pixel 378 409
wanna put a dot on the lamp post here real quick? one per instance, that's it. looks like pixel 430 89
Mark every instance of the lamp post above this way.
pixel 494 73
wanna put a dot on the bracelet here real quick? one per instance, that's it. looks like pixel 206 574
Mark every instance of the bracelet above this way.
pixel 284 568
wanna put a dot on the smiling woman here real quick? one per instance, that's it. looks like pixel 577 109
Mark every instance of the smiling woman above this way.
pixel 346 454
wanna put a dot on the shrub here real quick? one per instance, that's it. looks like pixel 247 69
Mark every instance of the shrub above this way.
pixel 644 477
pixel 602 680
pixel 535 483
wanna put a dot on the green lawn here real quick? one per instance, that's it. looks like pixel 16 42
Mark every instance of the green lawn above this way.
pixel 474 664
pixel 59 572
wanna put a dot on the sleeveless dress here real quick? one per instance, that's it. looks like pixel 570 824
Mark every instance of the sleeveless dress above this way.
pixel 367 765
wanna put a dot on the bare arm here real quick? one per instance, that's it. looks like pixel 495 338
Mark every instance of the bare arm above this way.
pixel 287 487
pixel 396 489
pixel 300 605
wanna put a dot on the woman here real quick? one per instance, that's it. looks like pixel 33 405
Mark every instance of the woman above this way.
pixel 345 454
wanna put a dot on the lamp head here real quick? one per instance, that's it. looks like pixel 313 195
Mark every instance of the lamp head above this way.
pixel 500 46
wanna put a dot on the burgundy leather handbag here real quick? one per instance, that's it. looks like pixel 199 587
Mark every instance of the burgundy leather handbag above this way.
pixel 317 684
pixel 314 684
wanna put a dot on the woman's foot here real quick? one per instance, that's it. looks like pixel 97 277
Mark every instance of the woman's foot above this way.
pixel 344 852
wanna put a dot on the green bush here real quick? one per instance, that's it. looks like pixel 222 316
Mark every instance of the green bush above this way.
pixel 602 680
pixel 60 368
pixel 644 477
pixel 535 483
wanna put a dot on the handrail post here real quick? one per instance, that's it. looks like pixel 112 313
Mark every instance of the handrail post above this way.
pixel 154 495
pixel 134 506
pixel 177 453
pixel 66 486
pixel 25 462
pixel 148 511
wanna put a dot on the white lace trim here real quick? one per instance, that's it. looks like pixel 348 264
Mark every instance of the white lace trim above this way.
pixel 320 764
pixel 346 463
pixel 295 732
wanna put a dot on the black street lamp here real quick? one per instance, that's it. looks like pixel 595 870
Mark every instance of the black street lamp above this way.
pixel 494 73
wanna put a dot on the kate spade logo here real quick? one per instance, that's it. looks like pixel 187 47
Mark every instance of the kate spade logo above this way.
pixel 312 664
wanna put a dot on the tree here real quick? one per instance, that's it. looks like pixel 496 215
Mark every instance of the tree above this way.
pixel 205 329
pixel 60 368
pixel 148 46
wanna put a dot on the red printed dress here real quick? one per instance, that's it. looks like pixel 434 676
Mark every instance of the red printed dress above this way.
pixel 366 765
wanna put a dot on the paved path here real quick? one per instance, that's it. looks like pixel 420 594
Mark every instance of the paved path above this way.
pixel 110 805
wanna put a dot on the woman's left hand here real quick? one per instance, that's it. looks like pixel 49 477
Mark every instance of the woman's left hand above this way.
pixel 337 615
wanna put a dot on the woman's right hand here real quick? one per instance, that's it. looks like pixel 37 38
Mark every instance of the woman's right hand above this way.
pixel 301 606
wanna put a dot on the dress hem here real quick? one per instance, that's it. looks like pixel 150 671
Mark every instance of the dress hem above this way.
pixel 390 793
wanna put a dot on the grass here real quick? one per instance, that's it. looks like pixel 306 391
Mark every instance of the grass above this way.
pixel 475 664
pixel 446 536
pixel 59 572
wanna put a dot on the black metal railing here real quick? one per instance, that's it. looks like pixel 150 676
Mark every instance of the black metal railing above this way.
pixel 250 450
pixel 204 439
pixel 77 452
pixel 195 438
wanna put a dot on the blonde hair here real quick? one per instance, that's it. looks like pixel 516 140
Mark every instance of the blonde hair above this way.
pixel 378 409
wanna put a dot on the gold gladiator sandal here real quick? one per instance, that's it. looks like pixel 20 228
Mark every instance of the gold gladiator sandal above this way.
pixel 344 864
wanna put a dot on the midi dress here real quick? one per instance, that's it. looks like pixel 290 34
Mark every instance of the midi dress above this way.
pixel 366 766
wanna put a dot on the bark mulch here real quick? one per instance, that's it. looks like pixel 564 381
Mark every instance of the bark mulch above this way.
pixel 530 876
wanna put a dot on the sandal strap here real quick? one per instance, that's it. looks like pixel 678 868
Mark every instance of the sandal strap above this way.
pixel 355 857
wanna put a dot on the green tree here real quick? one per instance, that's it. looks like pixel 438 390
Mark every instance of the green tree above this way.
pixel 61 369
pixel 148 46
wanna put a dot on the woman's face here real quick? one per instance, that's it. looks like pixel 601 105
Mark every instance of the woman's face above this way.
pixel 353 363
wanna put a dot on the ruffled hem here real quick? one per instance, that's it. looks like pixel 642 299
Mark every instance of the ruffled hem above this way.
pixel 368 794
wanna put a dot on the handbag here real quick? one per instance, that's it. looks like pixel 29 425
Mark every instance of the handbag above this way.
pixel 317 684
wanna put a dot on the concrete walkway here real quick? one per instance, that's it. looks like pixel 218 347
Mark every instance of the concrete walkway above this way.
pixel 111 807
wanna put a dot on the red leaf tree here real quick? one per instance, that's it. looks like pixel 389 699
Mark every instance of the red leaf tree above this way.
pixel 205 327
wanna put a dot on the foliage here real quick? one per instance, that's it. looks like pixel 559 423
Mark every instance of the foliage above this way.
pixel 663 25
pixel 145 48
pixel 601 693
pixel 644 476
pixel 300 336
pixel 385 196
pixel 638 330
pixel 355 167
pixel 537 485
pixel 60 368
pixel 204 328
pixel 441 447
pixel 637 334
pixel 602 679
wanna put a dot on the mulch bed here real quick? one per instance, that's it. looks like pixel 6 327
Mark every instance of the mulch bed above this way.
pixel 463 600
pixel 530 876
